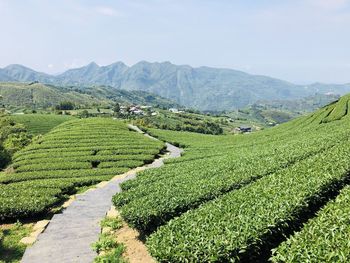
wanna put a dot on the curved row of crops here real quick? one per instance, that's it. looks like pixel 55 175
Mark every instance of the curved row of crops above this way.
pixel 236 225
pixel 40 123
pixel 324 239
pixel 76 153
pixel 229 198
pixel 175 188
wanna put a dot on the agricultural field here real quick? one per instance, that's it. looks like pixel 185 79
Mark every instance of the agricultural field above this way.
pixel 76 153
pixel 237 198
pixel 280 194
pixel 40 123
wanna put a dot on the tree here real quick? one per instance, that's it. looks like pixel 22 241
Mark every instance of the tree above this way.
pixel 65 105
pixel 1 102
pixel 84 114
pixel 4 157
pixel 13 137
pixel 116 108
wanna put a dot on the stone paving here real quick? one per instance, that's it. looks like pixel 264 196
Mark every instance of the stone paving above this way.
pixel 69 235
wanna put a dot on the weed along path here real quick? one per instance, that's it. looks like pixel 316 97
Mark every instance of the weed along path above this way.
pixel 69 235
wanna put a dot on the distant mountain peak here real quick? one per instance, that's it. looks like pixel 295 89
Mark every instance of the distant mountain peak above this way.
pixel 17 66
pixel 118 64
pixel 92 64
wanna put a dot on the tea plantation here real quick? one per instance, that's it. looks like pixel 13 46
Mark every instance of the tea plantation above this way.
pixel 279 195
pixel 75 153
pixel 236 198
pixel 40 123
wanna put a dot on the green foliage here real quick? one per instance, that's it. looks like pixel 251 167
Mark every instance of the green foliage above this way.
pixel 16 141
pixel 260 209
pixel 31 96
pixel 113 223
pixel 65 105
pixel 84 114
pixel 11 250
pixel 63 159
pixel 113 256
pixel 229 197
pixel 116 108
pixel 324 238
pixel 13 137
pixel 105 243
pixel 19 96
pixel 177 187
pixel 339 110
pixel 181 122
pixel 5 157
pixel 109 250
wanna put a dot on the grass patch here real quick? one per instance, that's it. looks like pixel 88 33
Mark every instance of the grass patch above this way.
pixel 11 250
pixel 107 248
pixel 114 256
pixel 113 223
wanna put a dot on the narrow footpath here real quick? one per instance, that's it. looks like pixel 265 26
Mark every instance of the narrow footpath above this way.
pixel 69 235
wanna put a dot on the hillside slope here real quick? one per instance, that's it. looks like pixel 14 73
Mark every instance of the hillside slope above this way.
pixel 260 189
pixel 37 95
pixel 203 88
pixel 280 111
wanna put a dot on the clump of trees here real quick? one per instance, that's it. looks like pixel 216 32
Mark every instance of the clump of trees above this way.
pixel 84 114
pixel 13 137
pixel 206 127
pixel 65 105
pixel 116 109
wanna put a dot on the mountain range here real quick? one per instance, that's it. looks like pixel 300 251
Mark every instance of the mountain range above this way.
pixel 202 88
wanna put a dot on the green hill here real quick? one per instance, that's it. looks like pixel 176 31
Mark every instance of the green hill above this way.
pixel 236 198
pixel 37 95
pixel 267 113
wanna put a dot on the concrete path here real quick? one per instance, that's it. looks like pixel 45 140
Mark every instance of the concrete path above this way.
pixel 69 235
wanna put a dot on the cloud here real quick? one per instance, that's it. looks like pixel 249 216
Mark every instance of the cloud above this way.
pixel 50 66
pixel 107 11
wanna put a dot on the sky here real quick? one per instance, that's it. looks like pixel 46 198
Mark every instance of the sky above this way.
pixel 301 41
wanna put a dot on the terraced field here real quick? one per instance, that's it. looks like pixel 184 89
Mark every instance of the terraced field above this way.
pixel 75 153
pixel 40 123
pixel 324 239
pixel 235 198
pixel 281 194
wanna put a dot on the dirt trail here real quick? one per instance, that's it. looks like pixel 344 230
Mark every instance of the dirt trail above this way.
pixel 135 250
pixel 69 235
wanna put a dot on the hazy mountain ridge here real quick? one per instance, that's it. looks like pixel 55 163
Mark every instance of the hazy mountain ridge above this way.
pixel 204 88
